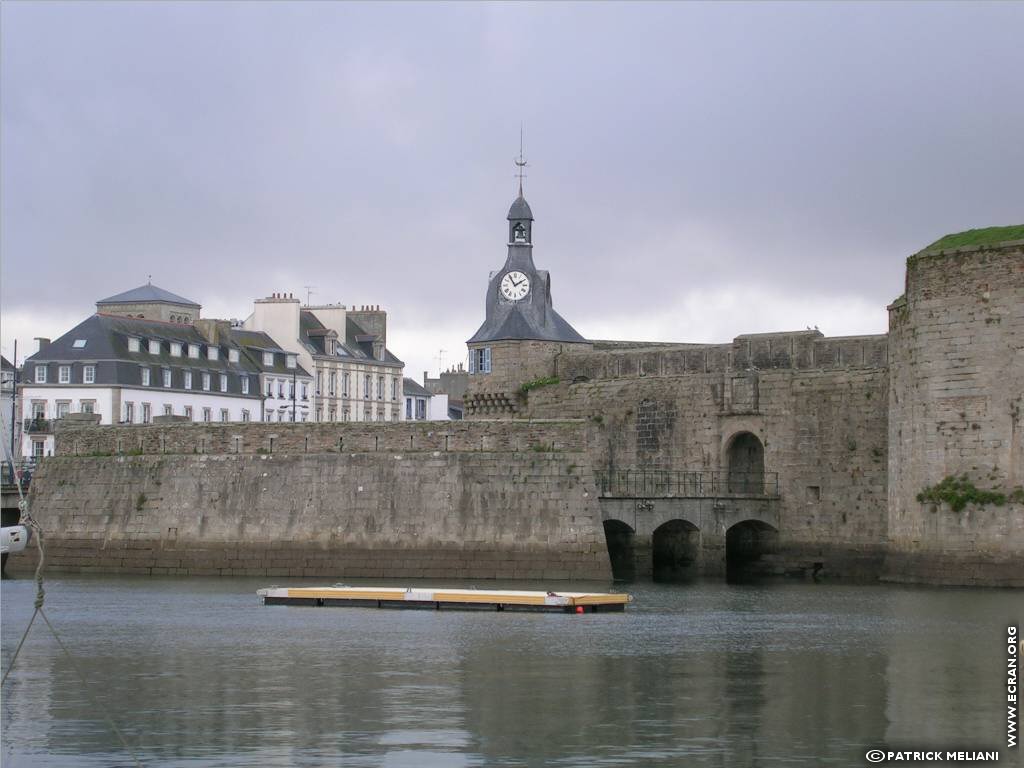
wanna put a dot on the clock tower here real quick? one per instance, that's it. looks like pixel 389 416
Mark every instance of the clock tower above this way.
pixel 522 332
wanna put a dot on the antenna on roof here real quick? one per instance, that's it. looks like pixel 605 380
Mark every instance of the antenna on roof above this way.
pixel 149 279
pixel 309 292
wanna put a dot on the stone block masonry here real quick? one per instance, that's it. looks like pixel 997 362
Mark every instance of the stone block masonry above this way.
pixel 500 502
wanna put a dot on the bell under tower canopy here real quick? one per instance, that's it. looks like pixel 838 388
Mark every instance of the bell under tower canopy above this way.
pixel 520 222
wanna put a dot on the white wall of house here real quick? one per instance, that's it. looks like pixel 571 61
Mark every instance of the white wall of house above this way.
pixel 437 407
pixel 103 399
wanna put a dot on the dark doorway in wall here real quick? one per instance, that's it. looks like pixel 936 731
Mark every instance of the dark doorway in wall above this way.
pixel 746 545
pixel 675 549
pixel 619 537
pixel 746 464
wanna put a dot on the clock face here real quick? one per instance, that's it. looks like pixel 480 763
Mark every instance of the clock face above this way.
pixel 515 286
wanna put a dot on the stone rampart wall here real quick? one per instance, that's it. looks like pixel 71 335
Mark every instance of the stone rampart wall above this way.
pixel 957 409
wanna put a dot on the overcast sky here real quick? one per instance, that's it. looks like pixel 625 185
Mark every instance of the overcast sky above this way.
pixel 696 171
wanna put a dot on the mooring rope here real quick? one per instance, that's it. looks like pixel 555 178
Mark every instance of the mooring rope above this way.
pixel 27 520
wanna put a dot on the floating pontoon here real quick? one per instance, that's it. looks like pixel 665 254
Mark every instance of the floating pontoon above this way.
pixel 442 598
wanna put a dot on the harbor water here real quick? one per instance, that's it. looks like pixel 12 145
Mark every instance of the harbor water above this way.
pixel 195 672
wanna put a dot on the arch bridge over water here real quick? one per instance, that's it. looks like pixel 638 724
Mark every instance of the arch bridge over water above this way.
pixel 672 525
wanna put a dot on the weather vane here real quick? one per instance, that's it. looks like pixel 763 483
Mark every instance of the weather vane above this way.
pixel 521 163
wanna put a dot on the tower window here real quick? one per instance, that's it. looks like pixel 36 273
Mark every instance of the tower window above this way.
pixel 480 360
pixel 519 233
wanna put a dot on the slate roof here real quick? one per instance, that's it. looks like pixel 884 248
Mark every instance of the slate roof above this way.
pixel 520 209
pixel 255 343
pixel 411 389
pixel 5 364
pixel 106 338
pixel 147 293
pixel 357 344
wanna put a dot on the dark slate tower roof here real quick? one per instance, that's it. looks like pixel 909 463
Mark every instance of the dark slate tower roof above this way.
pixel 146 293
pixel 532 317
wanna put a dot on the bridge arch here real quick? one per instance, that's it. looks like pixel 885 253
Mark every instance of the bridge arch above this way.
pixel 620 539
pixel 744 457
pixel 746 545
pixel 675 551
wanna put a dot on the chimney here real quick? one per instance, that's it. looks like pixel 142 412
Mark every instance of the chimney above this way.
pixel 43 343
pixel 425 376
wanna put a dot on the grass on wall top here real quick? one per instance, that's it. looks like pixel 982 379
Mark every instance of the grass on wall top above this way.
pixel 985 236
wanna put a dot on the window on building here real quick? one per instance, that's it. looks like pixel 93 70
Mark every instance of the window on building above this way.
pixel 245 415
pixel 38 409
pixel 394 387
pixel 207 414
pixel 188 412
pixel 167 377
pixel 290 361
pixel 40 374
pixel 79 344
pixel 188 379
pixel 270 387
pixel 168 410
pixel 175 349
pixel 193 351
pixel 64 374
pixel 63 408
pixel 480 360
pixel 421 408
pixel 268 359
pixel 154 347
pixel 304 416
pixel 38 447
pixel 305 391
pixel 280 388
pixel 146 413
pixel 129 413
pixel 408 407
pixel 331 414
pixel 245 385
pixel 223 414
pixel 213 353
pixel 206 382
pixel 89 374
pixel 232 355
pixel 367 384
pixel 145 377
pixel 87 406
pixel 332 383
pixel 380 387
pixel 223 382
pixel 346 413
pixel 134 344
pixel 291 390
pixel 345 385
pixel 366 414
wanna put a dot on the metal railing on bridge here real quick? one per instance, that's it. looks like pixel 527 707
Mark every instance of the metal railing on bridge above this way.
pixel 658 483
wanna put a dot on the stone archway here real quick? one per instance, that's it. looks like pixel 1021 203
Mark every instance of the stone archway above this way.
pixel 746 545
pixel 745 458
pixel 621 549
pixel 675 551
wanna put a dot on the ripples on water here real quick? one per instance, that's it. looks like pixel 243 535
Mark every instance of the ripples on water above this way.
pixel 197 673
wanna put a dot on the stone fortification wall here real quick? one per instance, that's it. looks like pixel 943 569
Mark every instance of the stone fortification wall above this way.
pixel 823 431
pixel 801 350
pixel 503 501
pixel 957 408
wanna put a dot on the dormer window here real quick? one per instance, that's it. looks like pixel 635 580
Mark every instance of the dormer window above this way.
pixel 268 359
pixel 232 355
pixel 212 353
pixel 175 349
pixel 290 361
pixel 193 351
pixel 134 344
pixel 154 347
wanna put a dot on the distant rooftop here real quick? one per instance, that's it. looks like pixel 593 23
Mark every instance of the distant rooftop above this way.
pixel 986 236
pixel 147 292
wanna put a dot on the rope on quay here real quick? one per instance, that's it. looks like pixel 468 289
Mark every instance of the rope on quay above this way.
pixel 37 532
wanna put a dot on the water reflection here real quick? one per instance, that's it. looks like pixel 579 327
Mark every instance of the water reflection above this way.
pixel 197 674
